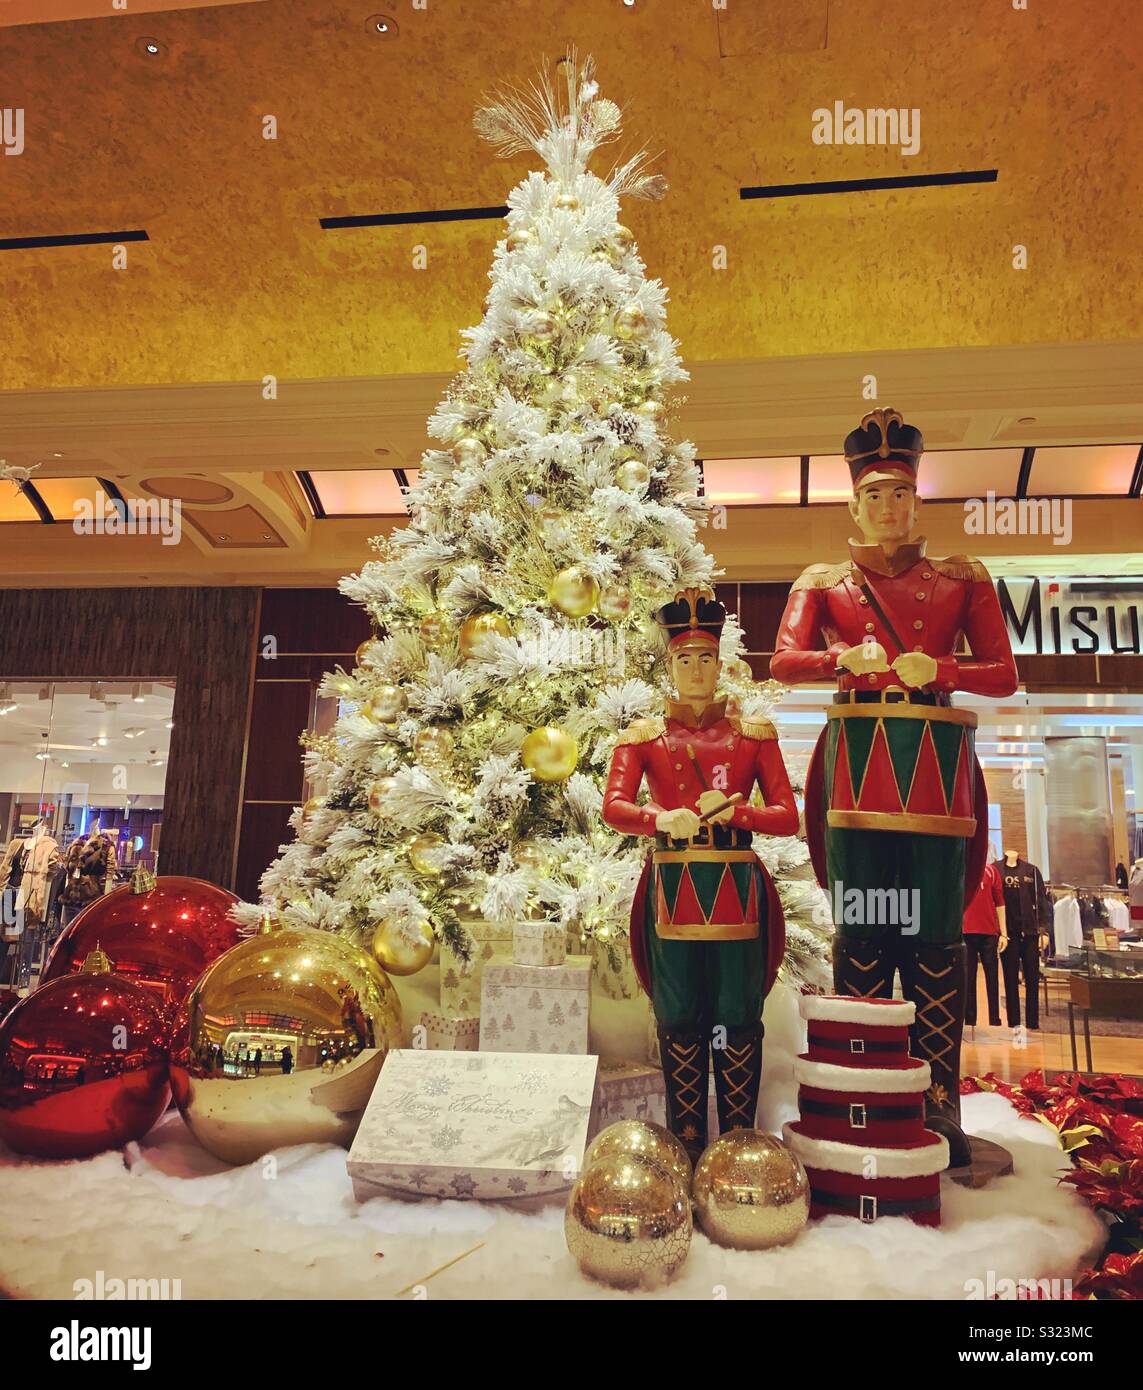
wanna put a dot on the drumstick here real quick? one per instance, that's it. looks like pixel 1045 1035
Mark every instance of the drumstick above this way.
pixel 732 800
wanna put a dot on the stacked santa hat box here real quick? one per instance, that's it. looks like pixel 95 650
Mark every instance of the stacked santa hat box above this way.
pixel 861 1134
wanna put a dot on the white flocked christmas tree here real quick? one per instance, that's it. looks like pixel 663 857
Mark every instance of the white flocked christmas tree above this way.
pixel 554 514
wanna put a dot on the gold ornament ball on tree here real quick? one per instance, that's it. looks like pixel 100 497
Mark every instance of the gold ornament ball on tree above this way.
pixel 321 1013
pixel 474 629
pixel 738 670
pixel 469 450
pixel 628 1222
pixel 574 592
pixel 750 1192
pixel 568 201
pixel 633 476
pixel 386 705
pixel 641 1137
pixel 541 327
pixel 623 237
pixel 652 410
pixel 400 950
pixel 614 602
pixel 419 855
pixel 630 322
pixel 549 754
pixel 550 521
pixel 433 745
pixel 433 629
pixel 518 238
pixel 361 656
pixel 530 854
pixel 378 792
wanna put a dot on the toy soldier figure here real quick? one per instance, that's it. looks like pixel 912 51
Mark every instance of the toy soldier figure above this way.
pixel 707 933
pixel 895 799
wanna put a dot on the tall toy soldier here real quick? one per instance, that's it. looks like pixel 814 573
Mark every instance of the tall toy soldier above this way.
pixel 707 933
pixel 895 799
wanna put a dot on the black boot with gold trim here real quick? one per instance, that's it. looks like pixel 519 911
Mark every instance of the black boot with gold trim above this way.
pixel 686 1062
pixel 737 1077
pixel 933 977
pixel 863 969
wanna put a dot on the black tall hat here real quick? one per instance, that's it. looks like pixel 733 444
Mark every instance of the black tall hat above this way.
pixel 693 618
pixel 883 448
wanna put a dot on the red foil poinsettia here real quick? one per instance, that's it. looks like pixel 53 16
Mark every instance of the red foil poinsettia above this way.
pixel 1099 1120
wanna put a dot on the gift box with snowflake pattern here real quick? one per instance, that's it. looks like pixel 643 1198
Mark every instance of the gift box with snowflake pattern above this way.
pixel 493 1126
pixel 535 1008
pixel 460 983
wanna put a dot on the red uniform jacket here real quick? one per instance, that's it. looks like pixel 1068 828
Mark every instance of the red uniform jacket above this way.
pixel 930 603
pixel 732 755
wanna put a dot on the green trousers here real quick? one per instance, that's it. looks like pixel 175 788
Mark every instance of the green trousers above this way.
pixel 706 984
pixel 929 868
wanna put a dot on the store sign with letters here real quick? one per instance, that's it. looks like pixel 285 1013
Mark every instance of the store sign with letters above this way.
pixel 1072 616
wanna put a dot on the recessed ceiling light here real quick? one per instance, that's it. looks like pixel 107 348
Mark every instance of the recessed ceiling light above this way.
pixel 382 26
pixel 150 48
pixel 1027 420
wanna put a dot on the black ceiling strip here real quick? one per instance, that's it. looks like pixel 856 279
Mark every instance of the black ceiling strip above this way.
pixel 311 492
pixel 1137 477
pixel 701 478
pixel 1025 475
pixel 402 480
pixel 801 190
pixel 804 485
pixel 113 492
pixel 397 219
pixel 43 511
pixel 32 243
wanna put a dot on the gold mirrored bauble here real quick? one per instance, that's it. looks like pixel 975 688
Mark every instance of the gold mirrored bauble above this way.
pixel 469 450
pixel 281 1041
pixel 315 803
pixel 623 237
pixel 738 670
pixel 361 656
pixel 473 629
pixel 521 236
pixel 614 602
pixel 530 854
pixel 378 791
pixel 433 745
pixel 750 1192
pixel 628 1222
pixel 433 629
pixel 541 327
pixel 574 592
pixel 399 952
pixel 652 410
pixel 549 754
pixel 568 201
pixel 642 1137
pixel 630 322
pixel 386 705
pixel 633 476
pixel 422 862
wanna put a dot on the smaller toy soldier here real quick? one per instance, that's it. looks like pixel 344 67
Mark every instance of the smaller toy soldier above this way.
pixel 707 933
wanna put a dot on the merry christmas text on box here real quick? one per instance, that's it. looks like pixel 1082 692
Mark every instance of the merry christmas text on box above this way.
pixel 485 1125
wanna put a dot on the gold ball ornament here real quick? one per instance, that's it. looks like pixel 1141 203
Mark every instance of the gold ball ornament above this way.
pixel 401 952
pixel 518 238
pixel 530 854
pixel 652 410
pixel 386 705
pixel 469 450
pixel 419 856
pixel 433 745
pixel 630 322
pixel 738 670
pixel 549 754
pixel 641 1137
pixel 378 792
pixel 568 201
pixel 574 592
pixel 315 803
pixel 750 1192
pixel 633 476
pixel 433 629
pixel 361 655
pixel 322 1014
pixel 623 237
pixel 541 327
pixel 614 602
pixel 628 1222
pixel 551 520
pixel 606 255
pixel 473 630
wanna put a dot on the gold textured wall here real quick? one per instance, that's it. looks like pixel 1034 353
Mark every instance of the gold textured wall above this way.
pixel 238 280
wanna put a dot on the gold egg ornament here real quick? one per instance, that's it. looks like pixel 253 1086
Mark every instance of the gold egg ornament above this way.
pixel 386 705
pixel 633 476
pixel 574 592
pixel 434 745
pixel 628 1222
pixel 750 1192
pixel 614 602
pixel 567 201
pixel 641 1137
pixel 363 652
pixel 549 754
pixel 623 237
pixel 281 1041
pixel 402 951
pixel 473 630
pixel 420 854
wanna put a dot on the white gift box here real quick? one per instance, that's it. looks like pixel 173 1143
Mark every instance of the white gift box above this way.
pixel 445 1032
pixel 535 1008
pixel 485 1125
pixel 628 1091
pixel 460 982
pixel 539 943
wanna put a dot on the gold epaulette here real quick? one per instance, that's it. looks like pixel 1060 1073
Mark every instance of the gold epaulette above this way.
pixel 641 731
pixel 752 728
pixel 962 567
pixel 821 577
